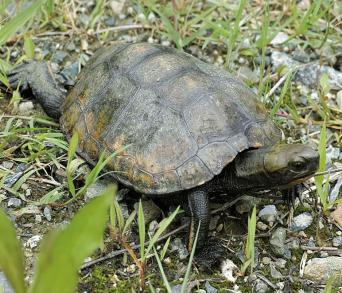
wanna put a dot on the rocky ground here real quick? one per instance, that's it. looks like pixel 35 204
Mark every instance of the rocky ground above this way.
pixel 297 249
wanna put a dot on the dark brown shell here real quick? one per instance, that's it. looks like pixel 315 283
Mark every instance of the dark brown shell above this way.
pixel 184 120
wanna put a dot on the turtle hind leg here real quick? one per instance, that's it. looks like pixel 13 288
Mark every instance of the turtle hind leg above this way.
pixel 37 77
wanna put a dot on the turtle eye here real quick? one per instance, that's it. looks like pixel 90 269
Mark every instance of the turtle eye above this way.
pixel 298 165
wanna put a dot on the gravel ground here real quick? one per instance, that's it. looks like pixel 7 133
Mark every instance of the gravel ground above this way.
pixel 297 249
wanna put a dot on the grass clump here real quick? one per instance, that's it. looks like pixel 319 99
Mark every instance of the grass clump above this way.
pixel 62 252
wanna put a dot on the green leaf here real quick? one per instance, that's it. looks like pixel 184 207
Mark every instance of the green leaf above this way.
pixel 161 269
pixel 142 233
pixel 63 252
pixel 28 47
pixel 11 255
pixel 10 28
pixel 162 227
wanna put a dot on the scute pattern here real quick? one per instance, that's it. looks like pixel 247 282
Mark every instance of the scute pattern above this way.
pixel 181 120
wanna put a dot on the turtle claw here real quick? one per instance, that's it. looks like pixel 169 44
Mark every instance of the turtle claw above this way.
pixel 21 75
pixel 290 195
pixel 210 254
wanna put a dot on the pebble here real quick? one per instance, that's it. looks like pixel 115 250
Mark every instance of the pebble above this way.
pixel 209 288
pixel 268 213
pixel 335 191
pixel 117 6
pixel 261 226
pixel 337 241
pixel 151 210
pixel 280 263
pixel 33 241
pixel 301 222
pixel 339 99
pixel 7 164
pixel 178 245
pixel 280 38
pixel 5 286
pixel 266 260
pixel 277 241
pixel 14 202
pixel 247 74
pixel 96 189
pixel 229 270
pixel 47 213
pixel 321 269
pixel 38 218
pixel 260 286
pixel 275 273
pixel 308 75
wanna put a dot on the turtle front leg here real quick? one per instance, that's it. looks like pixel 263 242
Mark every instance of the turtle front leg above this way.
pixel 198 201
pixel 37 76
pixel 208 250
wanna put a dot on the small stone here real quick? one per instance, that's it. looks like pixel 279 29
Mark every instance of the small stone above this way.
pixel 219 227
pixel 5 286
pixel 167 261
pixel 294 243
pixel 337 241
pixel 260 286
pixel 268 213
pixel 266 260
pixel 96 189
pixel 229 270
pixel 152 227
pixel 117 6
pixel 275 273
pixel 33 241
pixel 178 245
pixel 14 202
pixel 280 263
pixel 339 99
pixel 277 241
pixel 280 38
pixel 25 108
pixel 321 269
pixel 262 226
pixel 209 288
pixel 301 222
pixel 141 16
pixel 151 210
pixel 47 213
pixel 246 203
pixel 151 17
pixel 38 218
pixel 247 74
pixel 7 164
pixel 337 214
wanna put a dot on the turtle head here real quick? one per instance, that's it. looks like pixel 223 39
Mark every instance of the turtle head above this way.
pixel 290 164
pixel 279 166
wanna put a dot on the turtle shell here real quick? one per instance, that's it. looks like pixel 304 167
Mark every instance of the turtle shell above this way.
pixel 181 120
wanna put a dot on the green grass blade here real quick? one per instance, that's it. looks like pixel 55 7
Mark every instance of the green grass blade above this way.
pixel 162 227
pixel 162 272
pixel 11 255
pixel 164 250
pixel 63 252
pixel 18 21
pixel 188 269
pixel 129 221
pixel 233 36
pixel 142 232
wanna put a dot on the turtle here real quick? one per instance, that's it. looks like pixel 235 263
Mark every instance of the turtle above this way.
pixel 188 128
